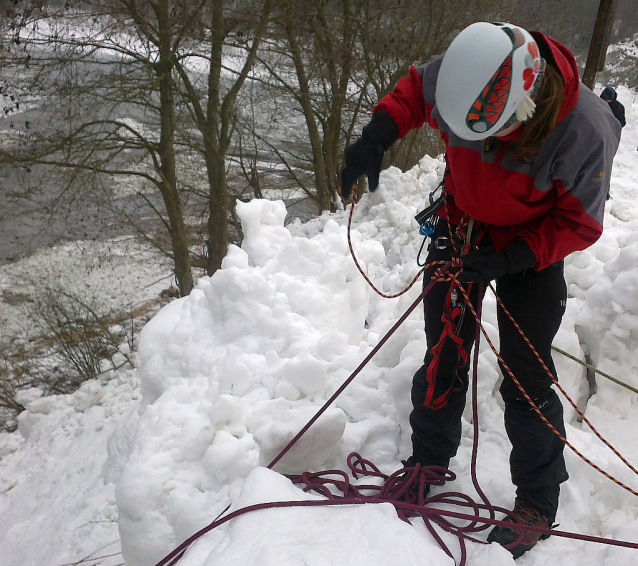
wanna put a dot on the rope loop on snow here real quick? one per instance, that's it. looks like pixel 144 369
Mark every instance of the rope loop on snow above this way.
pixel 405 490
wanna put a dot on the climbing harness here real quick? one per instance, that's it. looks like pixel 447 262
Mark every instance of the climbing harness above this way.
pixel 406 489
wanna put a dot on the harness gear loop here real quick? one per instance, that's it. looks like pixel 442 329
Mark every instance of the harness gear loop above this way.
pixel 428 218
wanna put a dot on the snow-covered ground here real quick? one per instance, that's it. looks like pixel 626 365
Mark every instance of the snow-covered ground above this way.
pixel 140 460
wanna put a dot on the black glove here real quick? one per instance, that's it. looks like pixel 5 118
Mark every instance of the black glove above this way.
pixel 486 264
pixel 610 97
pixel 366 154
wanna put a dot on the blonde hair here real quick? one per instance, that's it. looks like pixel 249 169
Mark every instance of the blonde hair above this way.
pixel 542 123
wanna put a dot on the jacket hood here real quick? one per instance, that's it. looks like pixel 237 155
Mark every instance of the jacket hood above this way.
pixel 563 59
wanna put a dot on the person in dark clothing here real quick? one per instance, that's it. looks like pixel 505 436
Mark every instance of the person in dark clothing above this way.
pixel 610 96
pixel 529 152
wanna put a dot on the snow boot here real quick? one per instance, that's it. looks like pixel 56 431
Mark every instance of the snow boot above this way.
pixel 433 475
pixel 411 462
pixel 528 516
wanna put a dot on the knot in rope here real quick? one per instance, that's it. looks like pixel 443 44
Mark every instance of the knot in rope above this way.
pixel 442 274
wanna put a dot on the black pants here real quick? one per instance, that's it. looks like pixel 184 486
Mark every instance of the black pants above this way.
pixel 536 301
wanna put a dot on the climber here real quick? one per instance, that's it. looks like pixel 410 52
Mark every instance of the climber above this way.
pixel 529 151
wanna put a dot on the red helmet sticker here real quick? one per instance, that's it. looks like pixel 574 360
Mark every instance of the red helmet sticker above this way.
pixel 490 104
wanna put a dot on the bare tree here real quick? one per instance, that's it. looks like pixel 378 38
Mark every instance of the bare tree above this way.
pixel 213 108
pixel 129 98
pixel 153 90
pixel 113 112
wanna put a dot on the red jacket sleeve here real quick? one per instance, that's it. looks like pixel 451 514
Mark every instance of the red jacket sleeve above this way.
pixel 406 103
pixel 564 229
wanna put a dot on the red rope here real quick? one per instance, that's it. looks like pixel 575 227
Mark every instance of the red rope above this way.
pixel 356 262
pixel 562 390
pixel 573 404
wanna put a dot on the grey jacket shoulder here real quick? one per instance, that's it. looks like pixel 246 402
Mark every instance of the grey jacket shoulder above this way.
pixel 429 72
pixel 591 117
pixel 582 149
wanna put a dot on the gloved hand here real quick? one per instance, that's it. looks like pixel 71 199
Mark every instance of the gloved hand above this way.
pixel 610 97
pixel 366 154
pixel 486 264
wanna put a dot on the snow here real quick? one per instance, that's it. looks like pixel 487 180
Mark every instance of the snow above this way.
pixel 111 276
pixel 138 461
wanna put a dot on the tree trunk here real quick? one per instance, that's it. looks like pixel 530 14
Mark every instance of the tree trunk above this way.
pixel 217 226
pixel 217 130
pixel 305 99
pixel 217 213
pixel 166 150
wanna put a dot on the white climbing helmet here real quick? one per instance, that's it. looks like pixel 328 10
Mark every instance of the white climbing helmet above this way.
pixel 486 78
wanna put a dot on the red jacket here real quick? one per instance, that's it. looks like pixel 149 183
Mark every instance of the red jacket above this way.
pixel 555 203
